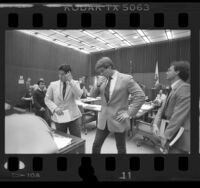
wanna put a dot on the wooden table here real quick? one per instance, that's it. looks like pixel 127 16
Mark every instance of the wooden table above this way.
pixel 77 145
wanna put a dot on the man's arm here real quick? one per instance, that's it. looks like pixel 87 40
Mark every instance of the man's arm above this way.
pixel 157 119
pixel 181 112
pixel 35 99
pixel 77 91
pixel 49 99
pixel 137 97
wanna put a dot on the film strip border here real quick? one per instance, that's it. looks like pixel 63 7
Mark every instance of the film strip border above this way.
pixel 103 167
pixel 86 20
pixel 110 20
pixel 115 168
pixel 144 15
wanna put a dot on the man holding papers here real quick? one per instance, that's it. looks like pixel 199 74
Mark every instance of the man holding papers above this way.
pixel 61 100
pixel 176 109
pixel 114 89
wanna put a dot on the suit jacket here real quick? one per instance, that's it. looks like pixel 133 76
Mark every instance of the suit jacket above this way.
pixel 38 98
pixel 54 98
pixel 125 86
pixel 178 113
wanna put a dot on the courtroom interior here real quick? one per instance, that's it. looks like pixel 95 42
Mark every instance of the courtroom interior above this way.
pixel 97 91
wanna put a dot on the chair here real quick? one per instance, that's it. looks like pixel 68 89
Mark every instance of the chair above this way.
pixel 87 117
pixel 146 130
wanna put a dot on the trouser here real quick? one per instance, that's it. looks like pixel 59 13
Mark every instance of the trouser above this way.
pixel 101 136
pixel 74 127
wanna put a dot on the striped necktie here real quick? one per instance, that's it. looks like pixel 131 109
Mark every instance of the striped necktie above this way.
pixel 64 89
pixel 107 89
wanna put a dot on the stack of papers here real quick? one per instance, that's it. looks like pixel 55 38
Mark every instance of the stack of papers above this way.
pixel 66 117
pixel 61 141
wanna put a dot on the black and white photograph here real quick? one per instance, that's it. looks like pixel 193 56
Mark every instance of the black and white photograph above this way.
pixel 97 91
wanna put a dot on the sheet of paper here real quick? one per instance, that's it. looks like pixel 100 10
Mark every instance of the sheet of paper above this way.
pixel 61 141
pixel 66 117
pixel 146 107
pixel 93 107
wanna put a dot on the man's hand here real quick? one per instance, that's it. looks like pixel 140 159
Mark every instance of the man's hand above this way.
pixel 164 145
pixel 163 141
pixel 69 77
pixel 155 130
pixel 122 116
pixel 58 111
pixel 42 109
pixel 101 80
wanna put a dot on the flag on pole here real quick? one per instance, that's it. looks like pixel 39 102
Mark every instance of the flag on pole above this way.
pixel 156 77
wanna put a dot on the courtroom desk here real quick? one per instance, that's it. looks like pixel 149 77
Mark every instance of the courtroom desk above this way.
pixel 77 145
pixel 90 99
pixel 140 115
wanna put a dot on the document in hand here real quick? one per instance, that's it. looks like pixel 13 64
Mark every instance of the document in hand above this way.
pixel 66 117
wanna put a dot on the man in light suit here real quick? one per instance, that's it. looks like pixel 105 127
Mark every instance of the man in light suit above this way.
pixel 114 89
pixel 60 96
pixel 176 109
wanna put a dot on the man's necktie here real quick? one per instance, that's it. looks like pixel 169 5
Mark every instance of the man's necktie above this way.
pixel 107 89
pixel 169 91
pixel 64 89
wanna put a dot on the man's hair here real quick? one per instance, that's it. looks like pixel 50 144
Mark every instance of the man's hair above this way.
pixel 40 81
pixel 65 68
pixel 104 62
pixel 184 69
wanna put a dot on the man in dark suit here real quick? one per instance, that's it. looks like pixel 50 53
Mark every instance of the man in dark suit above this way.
pixel 176 109
pixel 39 104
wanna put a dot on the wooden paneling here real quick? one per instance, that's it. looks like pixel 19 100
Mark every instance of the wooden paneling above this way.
pixel 35 58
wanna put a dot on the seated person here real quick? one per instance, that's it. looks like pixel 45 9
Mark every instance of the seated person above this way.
pixel 160 98
pixel 35 86
pixel 27 134
pixel 147 99
pixel 39 104
pixel 85 91
pixel 26 101
pixel 90 88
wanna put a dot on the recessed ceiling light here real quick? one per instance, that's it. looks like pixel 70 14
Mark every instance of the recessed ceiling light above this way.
pixel 136 37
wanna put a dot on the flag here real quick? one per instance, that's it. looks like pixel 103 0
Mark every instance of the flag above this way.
pixel 156 77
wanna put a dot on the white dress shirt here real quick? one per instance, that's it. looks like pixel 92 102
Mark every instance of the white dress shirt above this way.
pixel 112 83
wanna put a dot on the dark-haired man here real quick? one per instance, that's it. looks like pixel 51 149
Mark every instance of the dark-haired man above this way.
pixel 61 95
pixel 176 108
pixel 114 89
pixel 39 104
